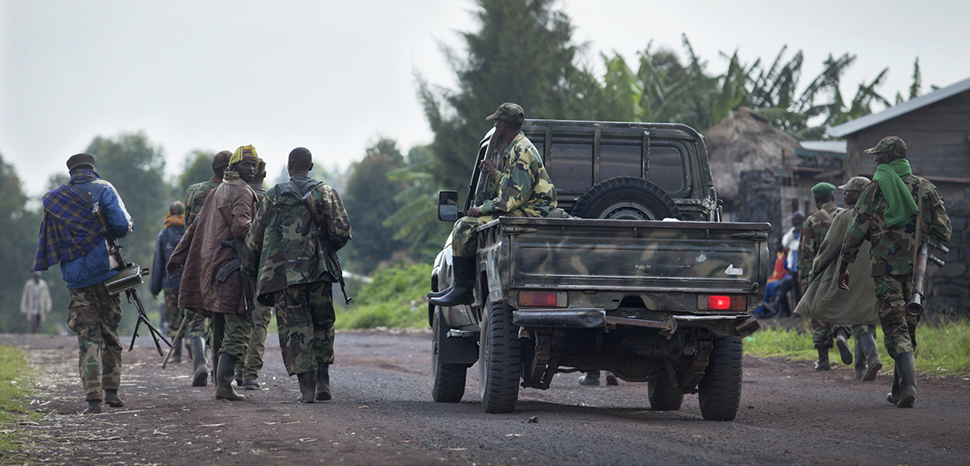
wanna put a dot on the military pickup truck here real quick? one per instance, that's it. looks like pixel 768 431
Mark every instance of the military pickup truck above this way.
pixel 637 275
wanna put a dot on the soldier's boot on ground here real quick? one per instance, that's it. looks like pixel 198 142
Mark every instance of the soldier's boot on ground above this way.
pixel 611 379
pixel 308 387
pixel 323 382
pixel 907 380
pixel 201 366
pixel 590 378
pixel 177 351
pixel 893 396
pixel 94 407
pixel 871 350
pixel 823 360
pixel 251 384
pixel 842 342
pixel 225 369
pixel 188 347
pixel 112 399
pixel 237 377
pixel 462 291
pixel 860 360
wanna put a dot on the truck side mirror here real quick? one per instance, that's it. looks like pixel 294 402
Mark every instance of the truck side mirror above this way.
pixel 448 206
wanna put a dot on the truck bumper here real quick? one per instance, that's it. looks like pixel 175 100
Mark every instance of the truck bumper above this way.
pixel 741 325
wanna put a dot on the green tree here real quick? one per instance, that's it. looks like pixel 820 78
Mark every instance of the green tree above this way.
pixel 417 218
pixel 18 244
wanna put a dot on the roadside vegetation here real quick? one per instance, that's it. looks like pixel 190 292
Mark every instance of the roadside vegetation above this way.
pixel 943 346
pixel 395 298
pixel 14 379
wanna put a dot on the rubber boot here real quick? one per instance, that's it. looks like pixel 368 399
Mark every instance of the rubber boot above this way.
pixel 611 379
pixel 224 388
pixel 592 378
pixel 112 399
pixel 440 293
pixel 462 292
pixel 177 353
pixel 842 343
pixel 323 382
pixel 201 366
pixel 868 342
pixel 308 386
pixel 251 384
pixel 188 347
pixel 94 407
pixel 860 360
pixel 907 380
pixel 893 396
pixel 237 377
pixel 823 360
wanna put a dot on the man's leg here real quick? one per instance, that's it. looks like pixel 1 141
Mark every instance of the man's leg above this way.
pixel 296 331
pixel 237 330
pixel 82 319
pixel 891 291
pixel 257 346
pixel 173 316
pixel 217 330
pixel 868 363
pixel 464 247
pixel 197 329
pixel 34 323
pixel 322 313
pixel 109 320
pixel 822 340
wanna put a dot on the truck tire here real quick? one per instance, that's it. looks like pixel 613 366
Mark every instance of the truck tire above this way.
pixel 719 392
pixel 626 198
pixel 662 396
pixel 499 359
pixel 449 379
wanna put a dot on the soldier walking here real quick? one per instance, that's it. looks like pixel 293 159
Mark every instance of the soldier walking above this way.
pixel 897 212
pixel 288 255
pixel 168 238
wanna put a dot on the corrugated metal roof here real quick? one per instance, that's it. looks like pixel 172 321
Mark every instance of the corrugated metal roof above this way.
pixel 862 123
pixel 838 147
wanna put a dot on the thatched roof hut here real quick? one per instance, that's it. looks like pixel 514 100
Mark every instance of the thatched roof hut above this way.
pixel 744 141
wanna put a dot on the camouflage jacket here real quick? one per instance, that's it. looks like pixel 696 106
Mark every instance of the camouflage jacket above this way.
pixel 813 232
pixel 282 244
pixel 195 197
pixel 521 182
pixel 894 248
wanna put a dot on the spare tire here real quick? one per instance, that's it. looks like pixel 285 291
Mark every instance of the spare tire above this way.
pixel 626 198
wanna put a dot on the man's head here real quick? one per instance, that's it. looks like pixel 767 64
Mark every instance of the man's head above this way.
pixel 300 162
pixel 508 119
pixel 177 208
pixel 797 219
pixel 888 149
pixel 244 161
pixel 219 162
pixel 78 161
pixel 852 189
pixel 823 193
pixel 260 173
pixel 37 276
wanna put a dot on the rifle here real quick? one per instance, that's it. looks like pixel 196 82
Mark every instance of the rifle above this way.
pixel 248 294
pixel 915 306
pixel 333 262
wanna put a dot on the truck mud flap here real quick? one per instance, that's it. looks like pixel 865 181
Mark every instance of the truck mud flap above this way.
pixel 594 318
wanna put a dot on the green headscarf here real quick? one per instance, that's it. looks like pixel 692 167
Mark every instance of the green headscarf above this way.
pixel 900 206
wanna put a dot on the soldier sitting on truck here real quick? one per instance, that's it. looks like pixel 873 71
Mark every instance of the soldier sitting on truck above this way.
pixel 522 187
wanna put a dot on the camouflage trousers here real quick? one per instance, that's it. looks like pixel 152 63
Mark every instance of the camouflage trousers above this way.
pixel 464 242
pixel 823 334
pixel 305 317
pixel 197 326
pixel 173 313
pixel 859 330
pixel 253 361
pixel 898 327
pixel 229 334
pixel 94 315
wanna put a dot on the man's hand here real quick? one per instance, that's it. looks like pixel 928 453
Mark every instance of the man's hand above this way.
pixel 844 276
pixel 474 212
pixel 172 269
pixel 487 165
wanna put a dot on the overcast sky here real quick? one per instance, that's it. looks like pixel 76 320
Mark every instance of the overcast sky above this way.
pixel 335 76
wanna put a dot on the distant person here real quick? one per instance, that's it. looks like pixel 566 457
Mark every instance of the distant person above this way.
pixel 897 212
pixel 767 309
pixel 211 281
pixel 287 252
pixel 35 302
pixel 168 238
pixel 72 235
pixel 592 378
pixel 789 241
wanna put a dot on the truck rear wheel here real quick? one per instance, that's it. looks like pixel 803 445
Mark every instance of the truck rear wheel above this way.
pixel 660 392
pixel 499 359
pixel 626 198
pixel 449 379
pixel 719 392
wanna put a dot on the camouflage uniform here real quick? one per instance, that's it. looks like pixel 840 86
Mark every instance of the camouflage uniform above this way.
pixel 95 316
pixel 291 268
pixel 249 366
pixel 173 313
pixel 813 232
pixel 892 254
pixel 524 190
pixel 197 325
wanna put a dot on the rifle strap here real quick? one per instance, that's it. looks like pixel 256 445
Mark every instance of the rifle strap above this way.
pixel 312 207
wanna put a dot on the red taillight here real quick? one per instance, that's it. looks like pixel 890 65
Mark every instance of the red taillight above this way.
pixel 719 303
pixel 540 299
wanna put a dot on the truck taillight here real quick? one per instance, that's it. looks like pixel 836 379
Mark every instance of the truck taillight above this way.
pixel 722 302
pixel 719 303
pixel 542 299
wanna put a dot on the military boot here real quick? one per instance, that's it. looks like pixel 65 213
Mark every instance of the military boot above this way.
pixel 200 369
pixel 463 290
pixel 893 396
pixel 611 379
pixel 440 293
pixel 842 343
pixel 823 360
pixel 907 379
pixel 112 399
pixel 237 377
pixel 591 378
pixel 323 382
pixel 94 407
pixel 868 342
pixel 177 351
pixel 224 388
pixel 308 386
pixel 860 361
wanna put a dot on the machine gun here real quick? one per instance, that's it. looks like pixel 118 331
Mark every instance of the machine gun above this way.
pixel 915 306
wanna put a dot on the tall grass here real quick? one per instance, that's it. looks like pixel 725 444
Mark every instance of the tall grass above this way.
pixel 393 299
pixel 14 379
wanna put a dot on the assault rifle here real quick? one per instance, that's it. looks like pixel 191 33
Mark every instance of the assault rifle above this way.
pixel 323 239
pixel 915 306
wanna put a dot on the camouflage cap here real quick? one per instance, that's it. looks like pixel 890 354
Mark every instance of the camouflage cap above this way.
pixel 176 208
pixel 823 189
pixel 856 183
pixel 508 112
pixel 80 161
pixel 890 144
pixel 221 160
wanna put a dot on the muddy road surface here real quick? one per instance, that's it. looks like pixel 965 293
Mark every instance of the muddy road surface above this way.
pixel 382 413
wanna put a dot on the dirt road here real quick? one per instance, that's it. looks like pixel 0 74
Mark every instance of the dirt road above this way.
pixel 383 413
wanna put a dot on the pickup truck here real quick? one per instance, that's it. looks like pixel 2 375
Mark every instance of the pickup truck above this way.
pixel 636 274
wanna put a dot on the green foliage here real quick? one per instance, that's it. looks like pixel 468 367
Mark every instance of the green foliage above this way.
pixel 14 380
pixel 392 299
pixel 417 219
pixel 18 244
pixel 198 168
